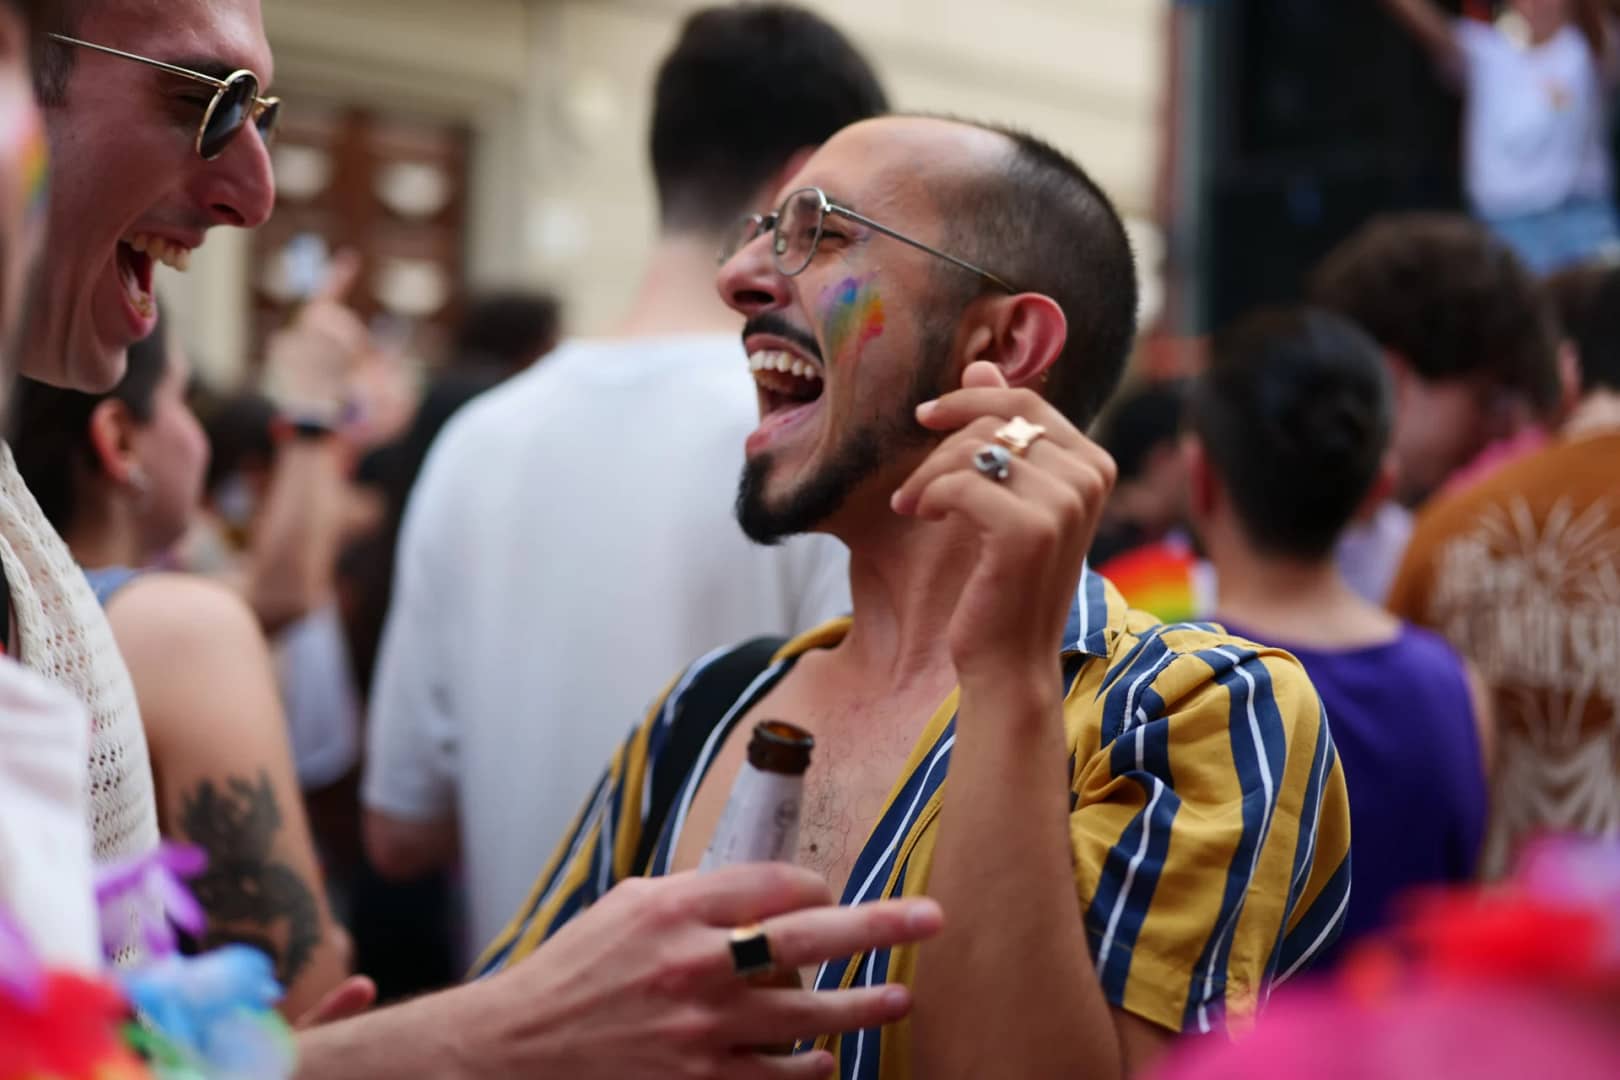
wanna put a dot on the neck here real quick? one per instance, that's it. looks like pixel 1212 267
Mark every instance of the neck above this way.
pixel 905 578
pixel 1300 601
pixel 1597 414
pixel 106 538
pixel 677 293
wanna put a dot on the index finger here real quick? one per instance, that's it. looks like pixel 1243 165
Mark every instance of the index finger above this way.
pixel 739 895
pixel 341 274
pixel 957 409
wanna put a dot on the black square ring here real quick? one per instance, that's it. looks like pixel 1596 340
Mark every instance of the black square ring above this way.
pixel 751 951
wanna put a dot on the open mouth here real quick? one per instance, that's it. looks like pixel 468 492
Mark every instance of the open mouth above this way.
pixel 137 260
pixel 786 382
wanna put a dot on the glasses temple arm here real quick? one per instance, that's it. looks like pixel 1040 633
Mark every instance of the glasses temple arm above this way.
pixel 919 245
pixel 195 76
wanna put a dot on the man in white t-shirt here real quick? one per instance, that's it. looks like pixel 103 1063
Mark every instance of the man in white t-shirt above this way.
pixel 1535 134
pixel 571 540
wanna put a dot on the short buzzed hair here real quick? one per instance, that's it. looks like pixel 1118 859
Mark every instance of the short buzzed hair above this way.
pixel 1038 221
pixel 745 88
pixel 53 61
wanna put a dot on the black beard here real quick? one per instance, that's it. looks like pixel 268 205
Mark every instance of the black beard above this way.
pixel 862 453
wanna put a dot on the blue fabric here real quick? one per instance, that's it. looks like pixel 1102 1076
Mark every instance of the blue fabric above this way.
pixel 1567 235
pixel 1403 723
pixel 107 580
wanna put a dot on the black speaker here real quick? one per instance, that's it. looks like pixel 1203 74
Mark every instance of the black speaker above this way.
pixel 1322 114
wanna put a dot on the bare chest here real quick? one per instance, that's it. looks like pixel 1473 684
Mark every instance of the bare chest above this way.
pixel 860 751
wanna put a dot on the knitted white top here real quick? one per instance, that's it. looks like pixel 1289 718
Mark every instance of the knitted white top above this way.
pixel 63 635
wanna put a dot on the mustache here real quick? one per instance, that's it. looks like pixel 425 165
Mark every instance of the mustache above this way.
pixel 775 325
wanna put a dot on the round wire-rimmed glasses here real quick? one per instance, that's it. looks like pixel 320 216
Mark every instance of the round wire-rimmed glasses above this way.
pixel 797 228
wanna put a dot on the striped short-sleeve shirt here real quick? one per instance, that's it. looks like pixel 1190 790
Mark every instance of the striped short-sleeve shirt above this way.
pixel 1209 823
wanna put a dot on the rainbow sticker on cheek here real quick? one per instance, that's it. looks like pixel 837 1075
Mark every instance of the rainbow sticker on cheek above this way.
pixel 36 171
pixel 852 312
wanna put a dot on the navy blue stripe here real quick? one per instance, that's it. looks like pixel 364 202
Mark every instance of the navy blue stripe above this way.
pixel 1305 842
pixel 1093 594
pixel 1327 914
pixel 1150 653
pixel 1115 968
pixel 1210 970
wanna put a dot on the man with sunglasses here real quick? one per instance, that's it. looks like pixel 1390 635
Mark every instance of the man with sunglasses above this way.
pixel 1144 827
pixel 142 168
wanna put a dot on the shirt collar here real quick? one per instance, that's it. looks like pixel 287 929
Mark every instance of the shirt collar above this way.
pixel 1087 630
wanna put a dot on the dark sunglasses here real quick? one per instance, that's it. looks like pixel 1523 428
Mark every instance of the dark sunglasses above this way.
pixel 236 101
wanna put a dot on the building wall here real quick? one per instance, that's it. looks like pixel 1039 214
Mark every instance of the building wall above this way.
pixel 557 94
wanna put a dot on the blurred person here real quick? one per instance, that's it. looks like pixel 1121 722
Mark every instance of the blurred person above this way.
pixel 505 331
pixel 118 475
pixel 1288 430
pixel 1161 807
pixel 1536 90
pixel 1143 546
pixel 537 604
pixel 1142 431
pixel 1521 573
pixel 647 986
pixel 1472 347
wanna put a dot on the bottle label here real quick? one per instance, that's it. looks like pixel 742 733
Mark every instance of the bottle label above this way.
pixel 760 822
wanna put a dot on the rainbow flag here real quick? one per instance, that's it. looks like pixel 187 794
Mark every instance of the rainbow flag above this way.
pixel 1166 579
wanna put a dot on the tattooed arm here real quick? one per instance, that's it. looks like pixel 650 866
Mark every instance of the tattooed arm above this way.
pixel 225 777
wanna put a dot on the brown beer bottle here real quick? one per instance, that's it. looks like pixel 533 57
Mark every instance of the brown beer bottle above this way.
pixel 760 822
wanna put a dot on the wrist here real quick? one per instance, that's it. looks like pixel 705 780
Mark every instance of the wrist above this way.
pixel 1017 692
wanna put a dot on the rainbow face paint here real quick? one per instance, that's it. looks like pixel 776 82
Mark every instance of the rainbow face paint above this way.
pixel 852 313
pixel 36 170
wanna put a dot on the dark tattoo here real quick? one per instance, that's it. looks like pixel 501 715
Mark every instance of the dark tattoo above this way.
pixel 249 898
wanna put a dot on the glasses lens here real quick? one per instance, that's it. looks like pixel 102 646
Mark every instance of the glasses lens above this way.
pixel 739 236
pixel 797 231
pixel 228 114
pixel 266 122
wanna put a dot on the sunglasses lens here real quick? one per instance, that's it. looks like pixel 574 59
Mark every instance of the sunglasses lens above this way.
pixel 267 121
pixel 229 113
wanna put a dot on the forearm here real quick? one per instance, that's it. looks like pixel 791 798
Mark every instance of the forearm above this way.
pixel 435 1036
pixel 1427 23
pixel 290 568
pixel 1009 989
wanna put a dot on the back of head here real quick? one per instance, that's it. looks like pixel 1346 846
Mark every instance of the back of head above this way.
pixel 51 430
pixel 1598 338
pixel 506 331
pixel 1142 420
pixel 1294 416
pixel 746 87
pixel 1038 220
pixel 1449 298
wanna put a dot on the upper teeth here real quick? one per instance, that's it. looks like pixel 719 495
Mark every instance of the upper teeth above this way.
pixel 164 251
pixel 785 362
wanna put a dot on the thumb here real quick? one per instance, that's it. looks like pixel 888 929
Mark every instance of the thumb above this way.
pixel 983 375
pixel 351 997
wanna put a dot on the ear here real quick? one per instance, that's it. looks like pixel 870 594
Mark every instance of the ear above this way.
pixel 1382 489
pixel 112 440
pixel 1022 335
pixel 1203 487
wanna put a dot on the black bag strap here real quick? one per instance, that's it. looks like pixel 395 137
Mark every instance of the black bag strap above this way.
pixel 707 700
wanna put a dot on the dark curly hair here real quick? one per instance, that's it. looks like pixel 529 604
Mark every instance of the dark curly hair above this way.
pixel 1449 297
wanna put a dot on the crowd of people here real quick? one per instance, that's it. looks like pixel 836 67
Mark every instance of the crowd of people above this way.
pixel 1118 740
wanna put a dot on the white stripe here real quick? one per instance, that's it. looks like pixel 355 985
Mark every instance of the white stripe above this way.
pixel 1136 861
pixel 894 842
pixel 1265 831
pixel 1169 657
pixel 1085 608
pixel 666 716
pixel 1321 939
pixel 860 1036
pixel 710 746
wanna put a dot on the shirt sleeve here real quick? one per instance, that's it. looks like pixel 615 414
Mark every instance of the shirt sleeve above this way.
pixel 1211 829
pixel 411 731
pixel 1475 39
